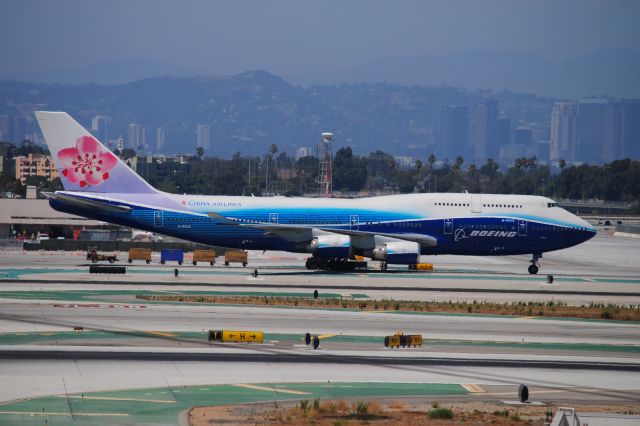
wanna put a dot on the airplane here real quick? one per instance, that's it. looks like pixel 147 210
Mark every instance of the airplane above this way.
pixel 393 229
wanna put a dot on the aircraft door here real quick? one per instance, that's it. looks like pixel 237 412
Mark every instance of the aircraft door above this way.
pixel 448 226
pixel 522 228
pixel 273 217
pixel 158 218
pixel 476 204
pixel 353 221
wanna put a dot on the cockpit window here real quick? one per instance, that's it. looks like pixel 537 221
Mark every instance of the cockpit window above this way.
pixel 552 204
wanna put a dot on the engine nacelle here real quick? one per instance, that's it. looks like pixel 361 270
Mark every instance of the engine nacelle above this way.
pixel 331 246
pixel 398 252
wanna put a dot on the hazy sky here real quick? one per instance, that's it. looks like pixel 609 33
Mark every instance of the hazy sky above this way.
pixel 296 37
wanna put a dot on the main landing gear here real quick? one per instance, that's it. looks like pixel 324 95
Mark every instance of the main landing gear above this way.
pixel 533 268
pixel 315 262
pixel 312 263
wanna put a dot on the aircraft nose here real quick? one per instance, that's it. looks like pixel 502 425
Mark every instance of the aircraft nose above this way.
pixel 583 230
pixel 587 233
pixel 586 230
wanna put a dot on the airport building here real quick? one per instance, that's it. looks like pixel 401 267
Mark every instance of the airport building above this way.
pixel 25 218
pixel 35 165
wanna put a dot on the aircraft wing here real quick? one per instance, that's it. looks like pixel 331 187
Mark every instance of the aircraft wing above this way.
pixel 304 232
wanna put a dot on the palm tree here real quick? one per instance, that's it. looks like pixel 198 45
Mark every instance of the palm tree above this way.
pixel 562 164
pixel 432 159
pixel 458 163
pixel 200 152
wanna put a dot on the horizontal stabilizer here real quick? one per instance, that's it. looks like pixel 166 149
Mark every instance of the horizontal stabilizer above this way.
pixel 90 204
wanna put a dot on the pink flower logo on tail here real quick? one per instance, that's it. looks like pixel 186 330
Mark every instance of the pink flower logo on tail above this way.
pixel 87 163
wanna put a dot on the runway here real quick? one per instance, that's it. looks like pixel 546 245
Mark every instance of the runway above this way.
pixel 321 357
pixel 42 317
pixel 128 344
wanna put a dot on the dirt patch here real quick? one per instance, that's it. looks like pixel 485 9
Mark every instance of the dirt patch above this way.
pixel 394 412
pixel 539 309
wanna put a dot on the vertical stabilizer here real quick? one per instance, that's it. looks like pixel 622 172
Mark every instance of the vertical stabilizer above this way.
pixel 83 163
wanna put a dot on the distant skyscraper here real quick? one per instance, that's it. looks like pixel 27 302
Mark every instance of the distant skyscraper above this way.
pixel 160 139
pixel 484 131
pixel 630 129
pixel 100 127
pixel 563 131
pixel 204 137
pixel 454 132
pixel 143 143
pixel 135 136
pixel 590 129
pixel 503 135
pixel 523 136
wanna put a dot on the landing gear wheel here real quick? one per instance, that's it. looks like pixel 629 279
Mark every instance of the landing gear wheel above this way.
pixel 312 263
pixel 323 264
pixel 533 268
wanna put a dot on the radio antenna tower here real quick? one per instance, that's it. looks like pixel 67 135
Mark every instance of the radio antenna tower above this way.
pixel 325 171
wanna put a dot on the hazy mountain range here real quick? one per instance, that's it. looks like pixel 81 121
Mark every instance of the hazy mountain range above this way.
pixel 249 111
pixel 613 73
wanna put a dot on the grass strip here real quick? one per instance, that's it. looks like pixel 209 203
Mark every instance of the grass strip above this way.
pixel 526 309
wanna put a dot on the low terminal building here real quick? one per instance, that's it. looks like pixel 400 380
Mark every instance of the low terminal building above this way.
pixel 28 218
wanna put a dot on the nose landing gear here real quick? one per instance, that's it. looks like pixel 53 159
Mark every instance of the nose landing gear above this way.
pixel 533 268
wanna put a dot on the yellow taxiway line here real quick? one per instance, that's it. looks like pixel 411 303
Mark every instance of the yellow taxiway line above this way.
pixel 325 336
pixel 160 333
pixel 279 390
pixel 473 388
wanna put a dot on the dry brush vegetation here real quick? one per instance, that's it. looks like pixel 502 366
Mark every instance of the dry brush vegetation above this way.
pixel 392 412
pixel 540 309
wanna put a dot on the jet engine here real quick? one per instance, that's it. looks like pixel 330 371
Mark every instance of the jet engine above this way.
pixel 398 252
pixel 331 246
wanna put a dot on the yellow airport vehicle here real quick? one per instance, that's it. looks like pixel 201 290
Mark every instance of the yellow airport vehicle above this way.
pixel 421 267
pixel 204 256
pixel 236 336
pixel 140 254
pixel 238 256
pixel 400 339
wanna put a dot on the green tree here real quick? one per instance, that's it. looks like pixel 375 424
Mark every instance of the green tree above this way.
pixel 128 153
pixel 349 172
